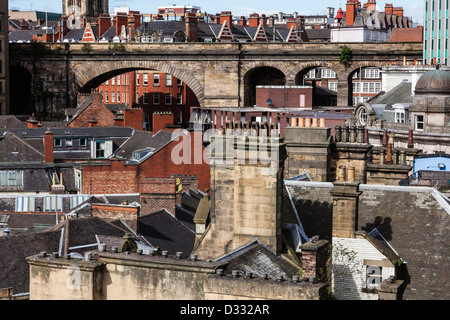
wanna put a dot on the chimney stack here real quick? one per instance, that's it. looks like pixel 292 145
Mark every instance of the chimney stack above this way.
pixel 104 23
pixel 350 12
pixel 48 146
pixel 226 16
pixel 389 8
pixel 191 22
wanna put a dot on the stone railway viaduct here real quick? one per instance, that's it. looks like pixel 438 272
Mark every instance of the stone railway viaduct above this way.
pixel 220 74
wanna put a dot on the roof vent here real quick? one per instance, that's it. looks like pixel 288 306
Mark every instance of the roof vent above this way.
pixel 194 257
pixel 179 255
pixel 164 253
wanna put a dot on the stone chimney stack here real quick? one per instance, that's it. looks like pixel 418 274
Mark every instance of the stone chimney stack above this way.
pixel 345 208
pixel 247 167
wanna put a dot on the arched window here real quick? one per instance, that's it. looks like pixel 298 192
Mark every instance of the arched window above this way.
pixel 362 115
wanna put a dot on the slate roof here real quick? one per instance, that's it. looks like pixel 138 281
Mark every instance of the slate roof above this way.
pixel 413 220
pixel 162 230
pixel 143 140
pixel 15 249
pixel 9 121
pixel 318 34
pixel 259 260
pixel 19 223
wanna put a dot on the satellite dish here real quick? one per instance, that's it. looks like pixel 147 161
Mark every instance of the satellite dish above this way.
pixel 269 102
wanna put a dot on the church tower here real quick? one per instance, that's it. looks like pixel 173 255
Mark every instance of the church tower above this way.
pixel 86 8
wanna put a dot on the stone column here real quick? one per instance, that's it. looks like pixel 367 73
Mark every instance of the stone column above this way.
pixel 345 208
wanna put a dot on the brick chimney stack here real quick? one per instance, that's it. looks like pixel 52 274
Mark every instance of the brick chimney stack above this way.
pixel 371 5
pixel 121 20
pixel 48 146
pixel 104 23
pixel 350 12
pixel 226 16
pixel 191 22
pixel 389 8
pixel 131 27
pixel 253 20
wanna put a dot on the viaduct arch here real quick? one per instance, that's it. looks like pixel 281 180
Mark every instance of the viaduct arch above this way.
pixel 218 73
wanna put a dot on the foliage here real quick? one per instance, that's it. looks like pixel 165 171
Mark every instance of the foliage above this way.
pixel 117 47
pixel 346 55
pixel 87 47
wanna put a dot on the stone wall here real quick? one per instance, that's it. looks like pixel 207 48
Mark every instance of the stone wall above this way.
pixel 133 276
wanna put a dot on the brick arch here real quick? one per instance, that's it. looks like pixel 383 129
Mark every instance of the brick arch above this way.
pixel 84 74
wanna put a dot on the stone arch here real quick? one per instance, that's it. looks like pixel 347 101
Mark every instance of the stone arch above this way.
pixel 251 70
pixel 86 76
pixel 304 68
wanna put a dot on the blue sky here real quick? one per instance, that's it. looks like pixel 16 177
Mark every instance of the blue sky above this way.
pixel 413 8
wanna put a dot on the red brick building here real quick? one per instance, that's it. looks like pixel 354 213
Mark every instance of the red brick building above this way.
pixel 152 91
pixel 125 175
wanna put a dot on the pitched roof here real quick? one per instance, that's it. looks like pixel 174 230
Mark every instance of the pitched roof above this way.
pixel 15 249
pixel 161 229
pixel 407 35
pixel 259 260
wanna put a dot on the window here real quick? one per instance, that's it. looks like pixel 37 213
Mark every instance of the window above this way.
pixel 156 79
pixel 11 178
pixel 118 96
pixel 371 87
pixel 363 116
pixel 156 98
pixel 83 142
pixel 106 96
pixel 25 204
pixel 399 116
pixel 419 122
pixel 168 99
pixel 100 149
pixel 180 117
pixel 113 96
pixel 372 73
pixel 69 143
pixel 137 97
pixel 57 142
pixel 137 79
pixel 118 80
pixel 328 74
pixel 179 98
pixel 333 86
pixel 53 203
pixel 145 80
pixel 374 277
pixel 113 81
pixel 168 80
pixel 145 98
pixel 301 100
pixel 179 82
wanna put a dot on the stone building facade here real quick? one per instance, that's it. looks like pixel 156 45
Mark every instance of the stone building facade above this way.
pixel 87 9
pixel 4 59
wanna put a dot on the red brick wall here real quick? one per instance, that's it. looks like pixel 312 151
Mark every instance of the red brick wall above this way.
pixel 117 177
pixel 134 118
pixel 95 111
pixel 284 97
pixel 127 214
pixel 161 119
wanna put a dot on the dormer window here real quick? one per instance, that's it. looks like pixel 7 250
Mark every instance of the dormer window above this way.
pixel 363 116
